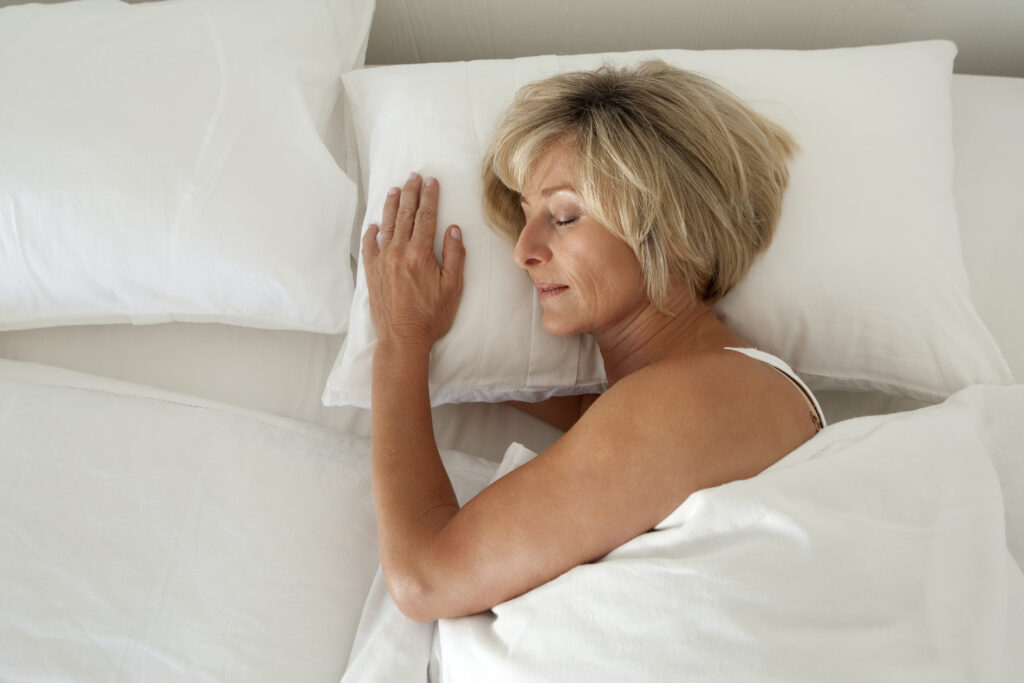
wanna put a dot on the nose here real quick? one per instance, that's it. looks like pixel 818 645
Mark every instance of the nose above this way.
pixel 532 246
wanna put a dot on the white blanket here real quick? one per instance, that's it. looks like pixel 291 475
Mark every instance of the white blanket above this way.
pixel 875 552
pixel 148 536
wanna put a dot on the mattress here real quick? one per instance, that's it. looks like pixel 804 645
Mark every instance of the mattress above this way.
pixel 283 372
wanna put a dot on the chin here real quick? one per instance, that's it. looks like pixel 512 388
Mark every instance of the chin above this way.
pixel 558 328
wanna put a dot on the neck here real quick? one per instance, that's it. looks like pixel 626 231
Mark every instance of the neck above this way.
pixel 648 336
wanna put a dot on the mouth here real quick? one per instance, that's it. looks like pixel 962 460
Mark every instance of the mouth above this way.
pixel 547 290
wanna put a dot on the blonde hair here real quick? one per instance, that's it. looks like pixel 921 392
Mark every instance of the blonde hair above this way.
pixel 677 167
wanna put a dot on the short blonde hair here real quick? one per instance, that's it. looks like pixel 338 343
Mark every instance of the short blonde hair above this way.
pixel 684 172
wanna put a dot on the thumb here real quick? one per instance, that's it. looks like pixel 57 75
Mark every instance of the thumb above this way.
pixel 453 257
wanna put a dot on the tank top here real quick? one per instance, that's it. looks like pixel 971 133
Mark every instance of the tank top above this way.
pixel 817 416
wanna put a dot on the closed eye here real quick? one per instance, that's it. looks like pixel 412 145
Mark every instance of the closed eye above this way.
pixel 566 221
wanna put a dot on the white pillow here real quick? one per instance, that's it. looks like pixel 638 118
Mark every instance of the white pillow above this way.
pixel 863 287
pixel 153 536
pixel 165 161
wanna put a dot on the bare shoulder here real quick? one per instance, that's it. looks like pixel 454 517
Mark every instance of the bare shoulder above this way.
pixel 731 414
pixel 633 457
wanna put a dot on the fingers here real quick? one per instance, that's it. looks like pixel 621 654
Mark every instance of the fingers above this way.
pixel 426 215
pixel 410 213
pixel 408 202
pixel 389 215
pixel 370 248
pixel 453 259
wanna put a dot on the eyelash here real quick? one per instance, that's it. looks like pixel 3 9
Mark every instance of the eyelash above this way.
pixel 568 221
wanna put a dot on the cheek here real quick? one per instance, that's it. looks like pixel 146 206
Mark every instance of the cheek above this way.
pixel 621 272
pixel 630 288
pixel 612 284
pixel 602 268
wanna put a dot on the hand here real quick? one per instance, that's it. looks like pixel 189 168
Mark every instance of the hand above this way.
pixel 412 299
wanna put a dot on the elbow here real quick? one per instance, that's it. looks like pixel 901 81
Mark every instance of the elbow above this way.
pixel 425 601
pixel 413 596
pixel 429 582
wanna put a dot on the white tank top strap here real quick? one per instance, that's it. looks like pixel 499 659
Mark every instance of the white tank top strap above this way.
pixel 816 413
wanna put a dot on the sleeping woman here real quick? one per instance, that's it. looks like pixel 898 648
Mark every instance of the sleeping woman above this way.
pixel 636 198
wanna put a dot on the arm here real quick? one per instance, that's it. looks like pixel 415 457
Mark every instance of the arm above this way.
pixel 412 494
pixel 633 456
pixel 413 302
pixel 561 412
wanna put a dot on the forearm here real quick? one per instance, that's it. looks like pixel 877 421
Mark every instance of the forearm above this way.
pixel 413 496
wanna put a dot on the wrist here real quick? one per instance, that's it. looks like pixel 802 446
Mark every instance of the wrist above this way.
pixel 401 373
pixel 404 349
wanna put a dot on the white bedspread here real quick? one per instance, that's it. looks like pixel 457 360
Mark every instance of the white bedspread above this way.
pixel 153 537
pixel 875 552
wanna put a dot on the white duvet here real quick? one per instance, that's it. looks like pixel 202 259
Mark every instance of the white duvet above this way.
pixel 875 552
pixel 152 537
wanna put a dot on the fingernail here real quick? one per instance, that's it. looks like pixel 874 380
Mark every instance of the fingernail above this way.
pixel 393 191
pixel 457 234
pixel 414 175
pixel 430 181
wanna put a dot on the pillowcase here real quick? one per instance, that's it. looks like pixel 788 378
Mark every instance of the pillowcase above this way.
pixel 166 161
pixel 864 286
pixel 154 536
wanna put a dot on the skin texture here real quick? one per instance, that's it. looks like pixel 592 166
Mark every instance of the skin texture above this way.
pixel 681 413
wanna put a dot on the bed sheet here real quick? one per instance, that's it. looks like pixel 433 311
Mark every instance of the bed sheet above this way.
pixel 283 372
pixel 931 594
pixel 178 539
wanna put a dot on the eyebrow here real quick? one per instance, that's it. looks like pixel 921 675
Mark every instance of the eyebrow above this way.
pixel 548 191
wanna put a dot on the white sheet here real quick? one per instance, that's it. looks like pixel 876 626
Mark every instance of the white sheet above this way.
pixel 284 372
pixel 875 552
pixel 151 536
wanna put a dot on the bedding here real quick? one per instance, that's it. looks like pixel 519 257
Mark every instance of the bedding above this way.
pixel 151 536
pixel 872 184
pixel 167 162
pixel 220 527
pixel 875 551
pixel 283 372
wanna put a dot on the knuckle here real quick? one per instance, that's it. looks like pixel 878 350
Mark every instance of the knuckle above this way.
pixel 406 213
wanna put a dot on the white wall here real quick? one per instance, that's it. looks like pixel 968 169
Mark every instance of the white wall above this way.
pixel 989 33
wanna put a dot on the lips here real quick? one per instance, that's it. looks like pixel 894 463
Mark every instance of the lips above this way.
pixel 548 290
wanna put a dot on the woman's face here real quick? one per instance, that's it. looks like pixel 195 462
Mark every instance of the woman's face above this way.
pixel 588 279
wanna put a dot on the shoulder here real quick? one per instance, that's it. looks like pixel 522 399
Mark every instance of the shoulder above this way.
pixel 732 413
pixel 707 382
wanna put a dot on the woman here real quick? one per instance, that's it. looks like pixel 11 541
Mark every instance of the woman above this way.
pixel 637 198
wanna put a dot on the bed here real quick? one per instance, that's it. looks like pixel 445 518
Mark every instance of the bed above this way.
pixel 184 475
